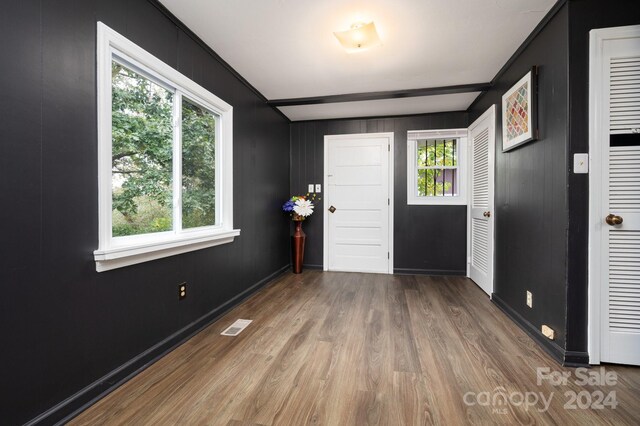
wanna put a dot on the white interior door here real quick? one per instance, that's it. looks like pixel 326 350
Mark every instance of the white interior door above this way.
pixel 358 203
pixel 481 217
pixel 616 225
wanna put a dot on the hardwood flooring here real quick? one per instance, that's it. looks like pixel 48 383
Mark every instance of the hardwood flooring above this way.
pixel 360 349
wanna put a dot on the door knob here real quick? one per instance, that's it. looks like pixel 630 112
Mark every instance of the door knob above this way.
pixel 332 209
pixel 486 214
pixel 613 220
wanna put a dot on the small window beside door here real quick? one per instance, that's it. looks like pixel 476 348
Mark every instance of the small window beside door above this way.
pixel 436 172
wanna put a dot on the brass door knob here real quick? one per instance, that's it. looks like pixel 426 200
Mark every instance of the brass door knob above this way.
pixel 613 220
pixel 486 214
pixel 332 209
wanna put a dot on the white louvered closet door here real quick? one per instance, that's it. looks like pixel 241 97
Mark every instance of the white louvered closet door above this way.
pixel 620 308
pixel 481 217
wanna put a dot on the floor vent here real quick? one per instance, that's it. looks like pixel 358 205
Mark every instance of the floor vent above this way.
pixel 236 328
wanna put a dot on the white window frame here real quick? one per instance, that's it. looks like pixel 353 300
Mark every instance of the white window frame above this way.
pixel 116 252
pixel 413 136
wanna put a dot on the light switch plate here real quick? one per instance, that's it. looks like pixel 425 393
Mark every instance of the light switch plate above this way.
pixel 310 189
pixel 580 163
pixel 318 188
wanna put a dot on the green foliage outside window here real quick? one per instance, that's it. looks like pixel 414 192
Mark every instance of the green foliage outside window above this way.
pixel 198 161
pixel 142 157
pixel 437 159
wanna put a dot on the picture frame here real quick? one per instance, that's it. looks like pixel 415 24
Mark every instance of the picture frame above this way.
pixel 520 112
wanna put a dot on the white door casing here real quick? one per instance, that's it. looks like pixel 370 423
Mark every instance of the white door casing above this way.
pixel 481 215
pixel 358 182
pixel 614 189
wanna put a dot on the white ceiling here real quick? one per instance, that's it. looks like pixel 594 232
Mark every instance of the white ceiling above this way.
pixel 286 48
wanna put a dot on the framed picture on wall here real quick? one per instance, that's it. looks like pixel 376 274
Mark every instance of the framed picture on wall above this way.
pixel 519 112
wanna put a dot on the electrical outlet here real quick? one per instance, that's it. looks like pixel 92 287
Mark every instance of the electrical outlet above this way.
pixel 182 291
pixel 529 299
pixel 310 191
pixel 548 332
pixel 318 188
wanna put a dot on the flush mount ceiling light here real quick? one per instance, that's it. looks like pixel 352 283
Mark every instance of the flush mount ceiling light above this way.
pixel 360 37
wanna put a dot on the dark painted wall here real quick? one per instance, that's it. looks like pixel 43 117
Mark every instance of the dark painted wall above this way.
pixel 63 325
pixel 584 15
pixel 428 239
pixel 530 191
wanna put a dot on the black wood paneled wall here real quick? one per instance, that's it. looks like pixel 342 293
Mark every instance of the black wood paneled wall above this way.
pixel 530 188
pixel 63 325
pixel 428 239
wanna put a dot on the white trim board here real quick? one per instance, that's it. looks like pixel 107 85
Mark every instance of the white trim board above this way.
pixel 325 239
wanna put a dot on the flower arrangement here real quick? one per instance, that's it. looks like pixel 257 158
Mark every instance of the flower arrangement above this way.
pixel 299 207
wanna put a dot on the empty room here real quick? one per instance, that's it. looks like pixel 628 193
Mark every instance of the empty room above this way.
pixel 329 212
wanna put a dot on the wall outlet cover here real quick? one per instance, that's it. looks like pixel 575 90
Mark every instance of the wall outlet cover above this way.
pixel 548 332
pixel 580 163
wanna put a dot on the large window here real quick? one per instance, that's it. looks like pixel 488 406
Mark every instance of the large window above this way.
pixel 165 158
pixel 436 166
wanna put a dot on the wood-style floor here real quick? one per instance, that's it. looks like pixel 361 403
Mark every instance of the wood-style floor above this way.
pixel 360 349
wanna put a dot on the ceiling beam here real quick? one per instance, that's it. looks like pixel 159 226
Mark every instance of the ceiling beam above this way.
pixel 371 96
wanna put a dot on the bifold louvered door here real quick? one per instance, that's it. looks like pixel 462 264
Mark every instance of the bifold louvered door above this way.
pixel 481 215
pixel 620 296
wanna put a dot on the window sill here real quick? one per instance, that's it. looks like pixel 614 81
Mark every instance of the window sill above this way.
pixel 118 257
pixel 436 201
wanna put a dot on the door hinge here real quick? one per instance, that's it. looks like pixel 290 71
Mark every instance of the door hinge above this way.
pixel 388 201
pixel 389 147
pixel 388 255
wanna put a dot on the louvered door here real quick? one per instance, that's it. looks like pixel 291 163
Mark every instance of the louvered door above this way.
pixel 481 217
pixel 620 215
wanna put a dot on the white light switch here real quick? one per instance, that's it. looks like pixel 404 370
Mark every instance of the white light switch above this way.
pixel 310 189
pixel 580 163
pixel 318 188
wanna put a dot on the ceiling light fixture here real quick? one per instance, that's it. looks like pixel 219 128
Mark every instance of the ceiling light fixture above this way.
pixel 360 37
